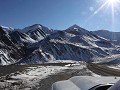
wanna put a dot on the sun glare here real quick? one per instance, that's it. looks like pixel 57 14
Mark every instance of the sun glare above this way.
pixel 112 1
pixel 112 4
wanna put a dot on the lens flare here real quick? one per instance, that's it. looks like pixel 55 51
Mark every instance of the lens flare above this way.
pixel 112 1
pixel 113 4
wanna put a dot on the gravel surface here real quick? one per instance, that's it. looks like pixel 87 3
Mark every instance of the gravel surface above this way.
pixel 103 70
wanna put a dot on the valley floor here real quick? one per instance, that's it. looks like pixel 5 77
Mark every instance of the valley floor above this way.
pixel 104 70
pixel 39 77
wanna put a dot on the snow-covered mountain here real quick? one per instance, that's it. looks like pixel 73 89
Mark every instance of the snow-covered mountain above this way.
pixel 36 27
pixel 7 28
pixel 38 44
pixel 21 38
pixel 108 34
pixel 37 31
pixel 9 51
pixel 73 43
pixel 77 30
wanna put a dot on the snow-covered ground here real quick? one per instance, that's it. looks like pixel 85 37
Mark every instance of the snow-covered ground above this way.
pixel 66 61
pixel 32 76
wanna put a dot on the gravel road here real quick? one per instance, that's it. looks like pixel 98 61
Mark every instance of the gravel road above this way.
pixel 103 70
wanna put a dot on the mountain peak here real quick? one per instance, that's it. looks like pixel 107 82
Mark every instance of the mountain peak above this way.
pixel 32 28
pixel 6 28
pixel 75 29
pixel 75 26
pixel 36 26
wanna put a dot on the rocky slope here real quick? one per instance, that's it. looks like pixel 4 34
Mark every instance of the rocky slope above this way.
pixel 38 44
pixel 108 34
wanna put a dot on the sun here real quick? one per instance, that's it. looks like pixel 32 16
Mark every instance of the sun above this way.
pixel 113 1
pixel 113 5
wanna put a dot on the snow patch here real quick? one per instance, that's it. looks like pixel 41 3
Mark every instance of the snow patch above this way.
pixel 7 28
pixel 33 75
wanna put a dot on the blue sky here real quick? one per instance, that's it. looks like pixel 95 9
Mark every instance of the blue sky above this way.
pixel 58 14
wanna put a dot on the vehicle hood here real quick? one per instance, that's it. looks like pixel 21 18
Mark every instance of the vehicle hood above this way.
pixel 83 82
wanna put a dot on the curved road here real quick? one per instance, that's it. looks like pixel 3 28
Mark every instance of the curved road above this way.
pixel 103 70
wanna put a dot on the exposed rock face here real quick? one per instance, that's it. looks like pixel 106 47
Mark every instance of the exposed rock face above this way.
pixel 9 52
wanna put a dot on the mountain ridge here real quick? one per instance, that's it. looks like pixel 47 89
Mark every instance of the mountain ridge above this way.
pixel 38 44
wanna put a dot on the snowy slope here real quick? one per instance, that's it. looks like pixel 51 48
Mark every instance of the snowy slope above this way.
pixel 21 38
pixel 37 57
pixel 9 52
pixel 80 45
pixel 38 44
pixel 37 31
pixel 77 30
pixel 7 28
pixel 108 34
pixel 35 27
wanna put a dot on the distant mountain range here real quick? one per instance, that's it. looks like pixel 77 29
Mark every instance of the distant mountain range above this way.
pixel 108 34
pixel 38 44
